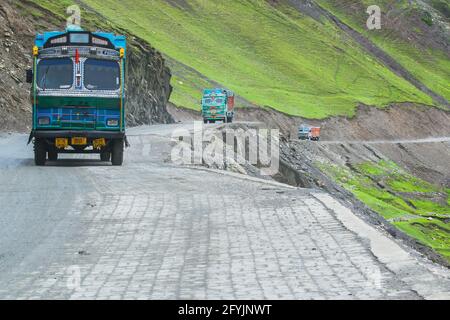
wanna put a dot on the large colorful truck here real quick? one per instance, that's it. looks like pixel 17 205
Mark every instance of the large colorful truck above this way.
pixel 78 95
pixel 217 105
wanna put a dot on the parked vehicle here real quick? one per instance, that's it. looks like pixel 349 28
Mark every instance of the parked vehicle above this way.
pixel 217 105
pixel 78 94
pixel 306 132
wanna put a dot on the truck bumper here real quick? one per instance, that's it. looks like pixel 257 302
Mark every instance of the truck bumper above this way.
pixel 70 134
pixel 90 135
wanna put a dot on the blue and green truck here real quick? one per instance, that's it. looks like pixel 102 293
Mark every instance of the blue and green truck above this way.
pixel 217 105
pixel 78 95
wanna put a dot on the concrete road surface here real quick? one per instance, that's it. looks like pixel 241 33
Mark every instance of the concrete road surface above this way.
pixel 81 229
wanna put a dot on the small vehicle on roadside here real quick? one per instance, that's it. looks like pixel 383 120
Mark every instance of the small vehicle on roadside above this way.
pixel 306 132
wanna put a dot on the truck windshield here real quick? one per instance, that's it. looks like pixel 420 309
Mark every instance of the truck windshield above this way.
pixel 213 101
pixel 101 75
pixel 55 74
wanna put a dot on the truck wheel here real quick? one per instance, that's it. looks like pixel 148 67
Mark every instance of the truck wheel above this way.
pixel 117 153
pixel 205 121
pixel 52 155
pixel 40 152
pixel 105 156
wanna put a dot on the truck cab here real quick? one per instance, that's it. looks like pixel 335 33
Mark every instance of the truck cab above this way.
pixel 303 132
pixel 78 95
pixel 217 105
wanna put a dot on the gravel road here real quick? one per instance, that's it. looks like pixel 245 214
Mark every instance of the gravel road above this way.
pixel 399 141
pixel 80 229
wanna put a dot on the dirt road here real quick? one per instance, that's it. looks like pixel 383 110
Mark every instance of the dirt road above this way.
pixel 80 229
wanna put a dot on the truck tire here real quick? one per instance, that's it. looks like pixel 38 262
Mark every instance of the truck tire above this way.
pixel 117 152
pixel 105 156
pixel 52 156
pixel 205 121
pixel 40 152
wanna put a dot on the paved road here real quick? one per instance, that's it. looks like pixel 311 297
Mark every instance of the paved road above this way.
pixel 79 229
pixel 399 141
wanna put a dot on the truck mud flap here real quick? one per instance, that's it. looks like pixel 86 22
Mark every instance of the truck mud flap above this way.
pixel 30 137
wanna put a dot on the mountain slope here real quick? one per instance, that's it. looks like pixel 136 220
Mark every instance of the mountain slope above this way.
pixel 284 54
pixel 415 33
pixel 271 55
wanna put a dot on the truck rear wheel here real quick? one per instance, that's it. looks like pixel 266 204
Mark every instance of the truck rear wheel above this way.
pixel 40 152
pixel 105 156
pixel 117 152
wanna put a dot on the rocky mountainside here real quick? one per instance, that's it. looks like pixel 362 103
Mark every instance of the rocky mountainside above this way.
pixel 148 85
pixel 148 78
pixel 16 38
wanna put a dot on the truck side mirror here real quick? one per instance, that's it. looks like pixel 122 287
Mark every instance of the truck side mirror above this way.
pixel 29 76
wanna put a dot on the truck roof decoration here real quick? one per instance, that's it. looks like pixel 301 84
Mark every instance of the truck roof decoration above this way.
pixel 79 37
pixel 217 91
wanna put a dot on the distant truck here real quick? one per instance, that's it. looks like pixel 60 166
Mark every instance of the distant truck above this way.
pixel 78 94
pixel 217 105
pixel 306 132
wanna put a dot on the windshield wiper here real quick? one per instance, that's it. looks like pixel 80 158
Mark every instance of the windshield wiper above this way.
pixel 44 78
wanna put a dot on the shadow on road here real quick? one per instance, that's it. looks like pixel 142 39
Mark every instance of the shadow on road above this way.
pixel 8 163
pixel 77 163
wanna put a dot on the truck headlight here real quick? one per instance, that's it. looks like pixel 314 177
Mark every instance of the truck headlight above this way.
pixel 44 121
pixel 112 123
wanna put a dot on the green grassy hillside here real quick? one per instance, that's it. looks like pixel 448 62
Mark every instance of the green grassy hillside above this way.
pixel 276 57
pixel 405 29
pixel 414 206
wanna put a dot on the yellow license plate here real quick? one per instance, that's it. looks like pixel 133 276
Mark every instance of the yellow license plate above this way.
pixel 78 141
